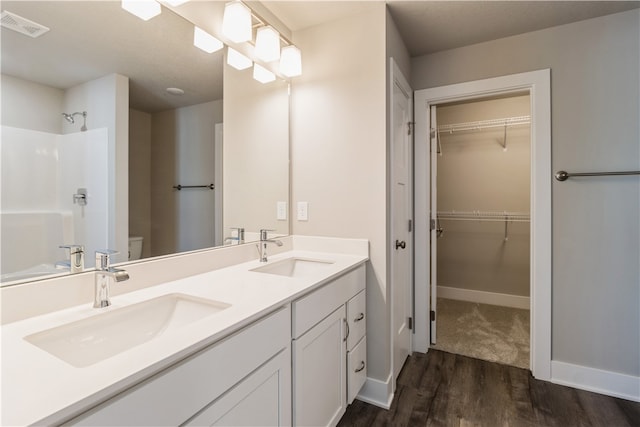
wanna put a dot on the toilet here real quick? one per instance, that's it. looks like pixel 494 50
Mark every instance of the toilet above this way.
pixel 135 247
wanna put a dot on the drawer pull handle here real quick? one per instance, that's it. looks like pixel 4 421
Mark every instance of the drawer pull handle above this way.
pixel 361 367
pixel 359 318
pixel 347 328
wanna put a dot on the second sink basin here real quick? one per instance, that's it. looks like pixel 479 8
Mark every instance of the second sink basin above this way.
pixel 294 267
pixel 91 340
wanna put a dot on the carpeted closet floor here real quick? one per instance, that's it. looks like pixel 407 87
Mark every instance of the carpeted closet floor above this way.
pixel 487 332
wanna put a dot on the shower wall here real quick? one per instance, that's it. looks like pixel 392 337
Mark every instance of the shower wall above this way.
pixel 40 173
pixel 476 173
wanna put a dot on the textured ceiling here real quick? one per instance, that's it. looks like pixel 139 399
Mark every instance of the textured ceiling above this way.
pixel 90 39
pixel 431 26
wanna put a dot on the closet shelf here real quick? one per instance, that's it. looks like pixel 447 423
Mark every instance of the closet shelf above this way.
pixel 484 216
pixel 485 124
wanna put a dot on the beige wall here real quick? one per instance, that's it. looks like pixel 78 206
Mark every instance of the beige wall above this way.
pixel 339 150
pixel 255 152
pixel 182 152
pixel 140 178
pixel 475 173
pixel 595 88
pixel 29 105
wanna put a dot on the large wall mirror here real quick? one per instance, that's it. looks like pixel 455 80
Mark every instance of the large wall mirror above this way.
pixel 107 171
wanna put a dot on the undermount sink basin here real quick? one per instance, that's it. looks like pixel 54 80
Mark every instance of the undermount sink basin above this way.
pixel 91 340
pixel 294 267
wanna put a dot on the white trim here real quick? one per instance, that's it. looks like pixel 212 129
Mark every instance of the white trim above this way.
pixel 376 392
pixel 483 297
pixel 538 84
pixel 596 380
pixel 397 79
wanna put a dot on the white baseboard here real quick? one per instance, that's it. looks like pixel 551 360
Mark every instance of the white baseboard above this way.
pixel 493 298
pixel 596 380
pixel 376 392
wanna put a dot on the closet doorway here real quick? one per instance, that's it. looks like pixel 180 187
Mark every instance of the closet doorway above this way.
pixel 537 84
pixel 482 203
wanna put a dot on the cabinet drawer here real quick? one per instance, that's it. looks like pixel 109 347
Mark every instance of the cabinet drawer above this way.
pixel 357 319
pixel 311 309
pixel 174 395
pixel 356 369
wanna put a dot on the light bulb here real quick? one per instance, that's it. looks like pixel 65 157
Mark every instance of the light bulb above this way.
pixel 267 44
pixel 238 60
pixel 236 22
pixel 262 75
pixel 143 9
pixel 291 61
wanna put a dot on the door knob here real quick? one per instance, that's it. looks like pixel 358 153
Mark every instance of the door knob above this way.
pixel 400 244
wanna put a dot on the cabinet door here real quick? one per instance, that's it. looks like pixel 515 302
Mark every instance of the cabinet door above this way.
pixel 319 373
pixel 261 399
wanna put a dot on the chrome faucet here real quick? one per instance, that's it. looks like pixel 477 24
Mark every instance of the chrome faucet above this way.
pixel 104 276
pixel 238 238
pixel 262 246
pixel 76 258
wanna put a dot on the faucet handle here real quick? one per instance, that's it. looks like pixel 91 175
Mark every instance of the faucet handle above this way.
pixel 73 249
pixel 103 258
pixel 264 233
pixel 76 257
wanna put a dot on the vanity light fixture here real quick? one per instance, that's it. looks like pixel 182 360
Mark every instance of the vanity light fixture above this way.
pixel 291 61
pixel 236 22
pixel 205 41
pixel 262 75
pixel 267 44
pixel 238 60
pixel 143 9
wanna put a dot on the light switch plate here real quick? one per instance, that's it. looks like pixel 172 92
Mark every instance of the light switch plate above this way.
pixel 303 211
pixel 281 208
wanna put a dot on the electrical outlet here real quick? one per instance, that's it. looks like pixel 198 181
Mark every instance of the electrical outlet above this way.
pixel 281 214
pixel 303 211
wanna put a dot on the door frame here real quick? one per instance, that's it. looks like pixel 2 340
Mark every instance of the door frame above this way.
pixel 538 84
pixel 397 78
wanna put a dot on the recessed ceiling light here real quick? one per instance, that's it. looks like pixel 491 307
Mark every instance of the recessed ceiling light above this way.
pixel 175 91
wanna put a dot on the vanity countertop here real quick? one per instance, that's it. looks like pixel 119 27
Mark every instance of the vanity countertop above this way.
pixel 39 388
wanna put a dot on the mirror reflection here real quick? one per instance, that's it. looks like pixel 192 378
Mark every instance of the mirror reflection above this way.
pixel 148 116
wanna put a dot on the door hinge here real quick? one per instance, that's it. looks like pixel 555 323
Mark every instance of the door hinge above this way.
pixel 410 225
pixel 432 224
pixel 409 125
pixel 410 322
pixel 433 315
pixel 432 133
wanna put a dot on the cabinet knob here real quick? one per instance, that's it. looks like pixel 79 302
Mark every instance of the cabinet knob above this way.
pixel 361 367
pixel 359 318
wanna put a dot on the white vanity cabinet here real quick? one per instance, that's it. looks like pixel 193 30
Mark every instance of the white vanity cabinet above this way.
pixel 325 339
pixel 243 379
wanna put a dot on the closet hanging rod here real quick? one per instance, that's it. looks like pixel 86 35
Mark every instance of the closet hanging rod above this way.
pixel 180 187
pixel 485 124
pixel 564 175
pixel 484 216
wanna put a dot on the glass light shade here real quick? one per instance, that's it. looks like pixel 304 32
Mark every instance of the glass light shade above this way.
pixel 262 75
pixel 291 61
pixel 175 3
pixel 238 60
pixel 236 22
pixel 205 41
pixel 143 9
pixel 267 44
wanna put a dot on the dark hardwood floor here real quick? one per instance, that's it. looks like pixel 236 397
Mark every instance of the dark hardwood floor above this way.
pixel 443 389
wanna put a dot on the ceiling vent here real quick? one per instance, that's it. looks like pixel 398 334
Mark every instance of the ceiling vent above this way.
pixel 22 25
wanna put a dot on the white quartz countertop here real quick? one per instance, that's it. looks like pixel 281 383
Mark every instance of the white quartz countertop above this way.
pixel 39 388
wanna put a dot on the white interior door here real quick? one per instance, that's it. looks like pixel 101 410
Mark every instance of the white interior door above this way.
pixel 401 213
pixel 433 233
